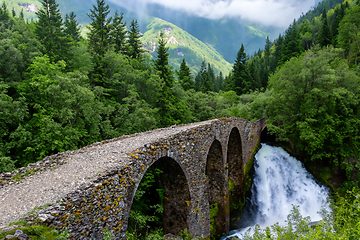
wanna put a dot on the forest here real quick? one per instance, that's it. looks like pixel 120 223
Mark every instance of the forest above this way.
pixel 60 91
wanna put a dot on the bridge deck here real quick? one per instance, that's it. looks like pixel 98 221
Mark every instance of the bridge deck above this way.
pixel 49 186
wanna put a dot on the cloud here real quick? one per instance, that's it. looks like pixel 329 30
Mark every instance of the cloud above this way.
pixel 279 13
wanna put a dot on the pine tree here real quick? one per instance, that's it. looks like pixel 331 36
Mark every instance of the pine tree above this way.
pixel 72 28
pixel 277 54
pixel 22 14
pixel 13 12
pixel 292 46
pixel 134 44
pixel 49 31
pixel 199 76
pixel 208 78
pixel 4 14
pixel 99 42
pixel 241 79
pixel 219 82
pixel 267 52
pixel 167 100
pixel 184 75
pixel 118 33
pixel 325 36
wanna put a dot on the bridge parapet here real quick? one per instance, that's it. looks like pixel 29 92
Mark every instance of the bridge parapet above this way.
pixel 189 159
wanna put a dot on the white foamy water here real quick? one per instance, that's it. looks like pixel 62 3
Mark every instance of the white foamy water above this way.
pixel 281 181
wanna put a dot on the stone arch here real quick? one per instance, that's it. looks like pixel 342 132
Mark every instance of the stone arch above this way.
pixel 215 172
pixel 177 195
pixel 236 173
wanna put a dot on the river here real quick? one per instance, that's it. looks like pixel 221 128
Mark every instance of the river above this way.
pixel 280 181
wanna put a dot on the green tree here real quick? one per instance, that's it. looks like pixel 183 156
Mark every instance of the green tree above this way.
pixel 242 82
pixel 134 44
pixel 12 114
pixel 118 33
pixel 314 105
pixel 200 75
pixel 99 41
pixel 325 36
pixel 64 113
pixel 349 34
pixel 22 14
pixel 339 14
pixel 306 34
pixel 72 28
pixel 291 46
pixel 49 31
pixel 169 105
pixel 184 75
pixel 18 48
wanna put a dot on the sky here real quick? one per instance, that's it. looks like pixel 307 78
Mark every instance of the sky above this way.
pixel 277 13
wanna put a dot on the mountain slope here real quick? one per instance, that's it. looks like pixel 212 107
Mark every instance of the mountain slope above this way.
pixel 183 45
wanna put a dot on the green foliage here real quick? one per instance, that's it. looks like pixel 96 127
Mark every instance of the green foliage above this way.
pixel 37 232
pixel 146 210
pixel 71 27
pixel 134 44
pixel 49 31
pixel 314 105
pixel 193 50
pixel 349 34
pixel 184 75
pixel 118 33
pixel 241 82
pixel 213 213
pixel 341 223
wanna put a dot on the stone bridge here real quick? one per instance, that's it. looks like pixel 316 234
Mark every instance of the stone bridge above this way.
pixel 198 162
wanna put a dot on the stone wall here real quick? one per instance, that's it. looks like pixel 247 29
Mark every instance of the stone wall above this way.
pixel 190 155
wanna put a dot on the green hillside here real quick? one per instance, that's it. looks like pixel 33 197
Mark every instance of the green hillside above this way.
pixel 183 45
pixel 29 7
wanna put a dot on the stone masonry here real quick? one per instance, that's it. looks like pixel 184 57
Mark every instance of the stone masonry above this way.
pixel 197 163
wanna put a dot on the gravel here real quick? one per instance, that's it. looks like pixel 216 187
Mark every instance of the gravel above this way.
pixel 16 200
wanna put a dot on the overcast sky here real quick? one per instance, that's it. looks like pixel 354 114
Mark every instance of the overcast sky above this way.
pixel 279 13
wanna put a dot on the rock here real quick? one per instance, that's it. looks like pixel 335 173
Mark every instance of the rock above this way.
pixel 170 236
pixel 45 217
pixel 21 236
pixel 10 237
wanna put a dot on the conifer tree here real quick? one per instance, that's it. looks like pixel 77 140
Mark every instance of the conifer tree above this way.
pixel 199 76
pixel 325 36
pixel 134 44
pixel 292 46
pixel 118 33
pixel 241 79
pixel 167 100
pixel 72 28
pixel 4 14
pixel 13 12
pixel 4 6
pixel 49 31
pixel 22 14
pixel 207 81
pixel 277 54
pixel 184 75
pixel 99 41
pixel 219 82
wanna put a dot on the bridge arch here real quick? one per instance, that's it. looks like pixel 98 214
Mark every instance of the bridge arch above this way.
pixel 217 187
pixel 236 172
pixel 176 194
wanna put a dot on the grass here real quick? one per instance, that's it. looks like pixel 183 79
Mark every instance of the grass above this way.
pixel 36 232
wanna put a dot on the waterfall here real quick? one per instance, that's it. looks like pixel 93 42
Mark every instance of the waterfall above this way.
pixel 280 181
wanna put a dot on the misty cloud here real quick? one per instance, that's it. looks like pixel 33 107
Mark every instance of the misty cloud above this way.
pixel 279 13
